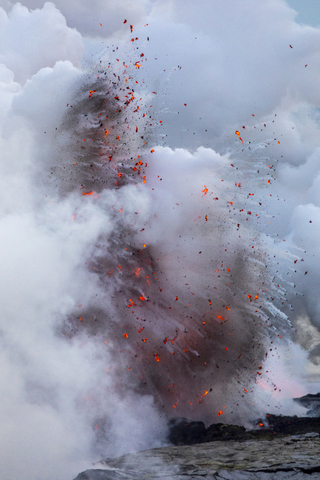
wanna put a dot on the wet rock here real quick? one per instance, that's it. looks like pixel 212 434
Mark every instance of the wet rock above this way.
pixel 296 457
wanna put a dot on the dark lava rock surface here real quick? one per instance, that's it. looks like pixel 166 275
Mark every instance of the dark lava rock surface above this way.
pixel 184 432
pixel 279 448
pixel 295 457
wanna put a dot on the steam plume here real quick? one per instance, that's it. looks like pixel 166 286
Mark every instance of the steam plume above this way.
pixel 153 264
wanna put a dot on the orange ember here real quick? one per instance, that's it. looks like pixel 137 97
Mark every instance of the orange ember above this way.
pixel 203 395
pixel 238 133
pixel 205 191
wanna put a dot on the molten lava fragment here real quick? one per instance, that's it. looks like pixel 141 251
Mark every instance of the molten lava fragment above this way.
pixel 205 190
pixel 238 133
pixel 203 395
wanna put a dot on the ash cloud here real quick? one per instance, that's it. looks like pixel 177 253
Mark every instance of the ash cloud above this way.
pixel 154 265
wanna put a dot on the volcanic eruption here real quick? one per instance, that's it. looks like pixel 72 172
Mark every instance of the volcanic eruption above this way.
pixel 150 272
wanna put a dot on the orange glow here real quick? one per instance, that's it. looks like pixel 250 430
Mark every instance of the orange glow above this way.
pixel 142 299
pixel 156 356
pixel 203 395
pixel 91 92
pixel 205 191
pixel 238 133
pixel 87 193
pixel 220 413
pixel 245 390
pixel 125 335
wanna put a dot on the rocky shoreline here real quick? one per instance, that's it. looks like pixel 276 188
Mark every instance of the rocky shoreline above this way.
pixel 279 448
pixel 295 457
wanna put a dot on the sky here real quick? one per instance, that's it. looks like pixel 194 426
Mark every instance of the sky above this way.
pixel 159 222
pixel 308 11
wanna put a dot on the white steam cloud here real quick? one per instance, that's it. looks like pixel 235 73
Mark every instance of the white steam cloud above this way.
pixel 154 263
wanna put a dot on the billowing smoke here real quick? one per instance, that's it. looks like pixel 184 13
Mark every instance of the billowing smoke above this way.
pixel 158 223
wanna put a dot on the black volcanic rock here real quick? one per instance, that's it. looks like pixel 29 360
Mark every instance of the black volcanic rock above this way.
pixel 220 431
pixel 184 432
